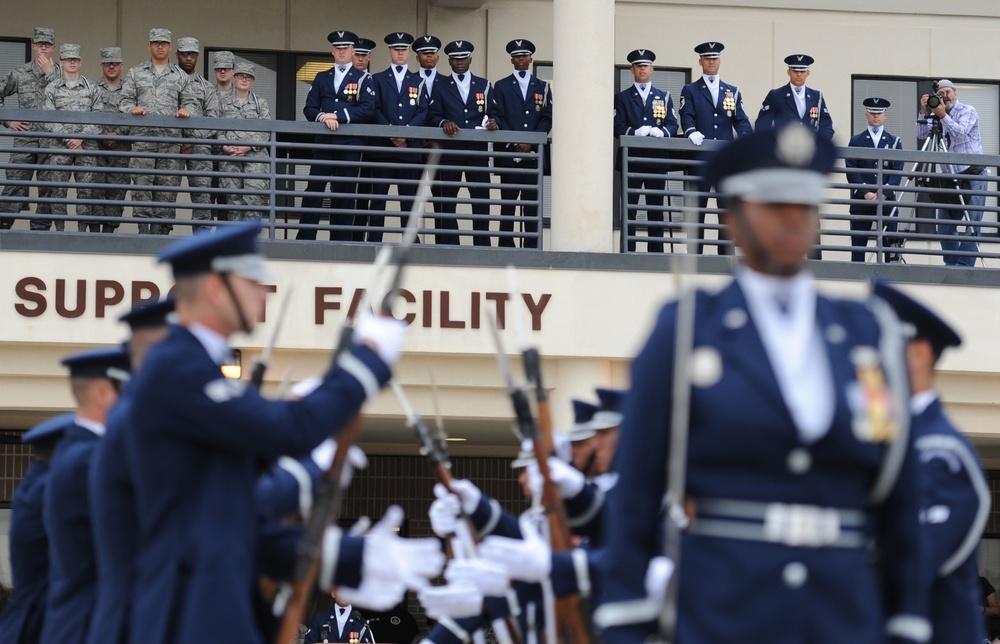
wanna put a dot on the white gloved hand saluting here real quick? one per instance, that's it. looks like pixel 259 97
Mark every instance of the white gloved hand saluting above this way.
pixel 656 133
pixel 528 559
pixel 643 131
pixel 697 137
pixel 386 333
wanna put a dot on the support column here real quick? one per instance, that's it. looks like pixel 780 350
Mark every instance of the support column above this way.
pixel 583 147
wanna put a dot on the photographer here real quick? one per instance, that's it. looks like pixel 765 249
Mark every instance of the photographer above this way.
pixel 960 133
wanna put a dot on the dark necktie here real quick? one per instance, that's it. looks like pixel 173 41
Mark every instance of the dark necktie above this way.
pixel 428 72
pixel 342 68
pixel 399 69
pixel 461 78
pixel 642 88
pixel 798 91
pixel 522 74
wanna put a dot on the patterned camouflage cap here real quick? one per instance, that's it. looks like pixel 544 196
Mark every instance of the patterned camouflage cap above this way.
pixel 44 34
pixel 69 51
pixel 158 34
pixel 245 68
pixel 188 44
pixel 224 60
pixel 111 55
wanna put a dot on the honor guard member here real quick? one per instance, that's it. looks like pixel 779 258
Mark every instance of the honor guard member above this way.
pixel 95 379
pixel 73 92
pixel 955 501
pixel 427 48
pixel 248 180
pixel 194 447
pixel 208 104
pixel 797 439
pixel 160 88
pixel 464 101
pixel 28 82
pixel 525 103
pixel 713 110
pixel 795 101
pixel 115 523
pixel 644 110
pixel 402 103
pixel 341 623
pixel 362 61
pixel 22 618
pixel 339 95
pixel 110 91
pixel 873 203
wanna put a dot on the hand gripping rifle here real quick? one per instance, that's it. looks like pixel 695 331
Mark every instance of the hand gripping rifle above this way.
pixel 262 361
pixel 329 493
pixel 461 545
pixel 572 616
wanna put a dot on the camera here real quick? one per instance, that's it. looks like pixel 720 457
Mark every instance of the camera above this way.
pixel 935 99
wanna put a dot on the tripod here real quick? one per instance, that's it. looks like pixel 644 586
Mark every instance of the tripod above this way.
pixel 948 181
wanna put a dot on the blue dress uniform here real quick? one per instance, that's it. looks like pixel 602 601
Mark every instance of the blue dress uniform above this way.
pixel 22 618
pixel 632 113
pixel 868 182
pixel 354 101
pixel 781 518
pixel 955 500
pixel 779 105
pixel 403 103
pixel 194 450
pixel 719 119
pixel 525 102
pixel 323 627
pixel 68 519
pixel 447 105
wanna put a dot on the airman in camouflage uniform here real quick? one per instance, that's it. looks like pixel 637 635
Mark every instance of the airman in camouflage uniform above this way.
pixel 244 104
pixel 28 83
pixel 160 88
pixel 110 92
pixel 223 62
pixel 207 104
pixel 71 93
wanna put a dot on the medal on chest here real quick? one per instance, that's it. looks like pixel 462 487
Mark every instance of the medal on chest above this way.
pixel 729 103
pixel 659 110
pixel 352 91
pixel 414 94
pixel 870 399
pixel 480 102
pixel 814 112
pixel 539 101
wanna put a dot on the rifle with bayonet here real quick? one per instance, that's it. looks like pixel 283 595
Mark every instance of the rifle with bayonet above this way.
pixel 572 617
pixel 463 544
pixel 329 495
pixel 262 361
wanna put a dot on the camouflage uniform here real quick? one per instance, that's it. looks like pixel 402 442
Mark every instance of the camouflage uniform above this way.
pixel 79 95
pixel 252 107
pixel 207 104
pixel 28 83
pixel 161 93
pixel 110 97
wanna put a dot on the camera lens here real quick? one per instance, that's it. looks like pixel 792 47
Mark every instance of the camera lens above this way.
pixel 933 101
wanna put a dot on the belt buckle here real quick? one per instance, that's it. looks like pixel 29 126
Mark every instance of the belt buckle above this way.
pixel 801 525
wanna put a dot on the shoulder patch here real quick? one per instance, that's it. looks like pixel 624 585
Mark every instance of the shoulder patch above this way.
pixel 224 389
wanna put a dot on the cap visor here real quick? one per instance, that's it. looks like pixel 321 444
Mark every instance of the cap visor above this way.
pixel 777 185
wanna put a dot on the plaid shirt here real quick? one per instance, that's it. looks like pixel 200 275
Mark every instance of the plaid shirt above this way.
pixel 961 133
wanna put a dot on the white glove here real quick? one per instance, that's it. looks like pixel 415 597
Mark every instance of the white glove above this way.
pixel 444 515
pixel 386 333
pixel 303 388
pixel 643 131
pixel 467 492
pixel 656 133
pixel 410 562
pixel 697 137
pixel 323 455
pixel 374 593
pixel 528 559
pixel 657 576
pixel 568 480
pixel 488 577
pixel 451 600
